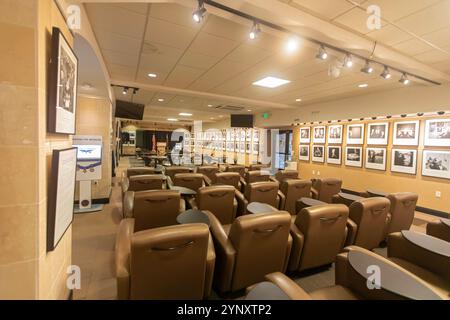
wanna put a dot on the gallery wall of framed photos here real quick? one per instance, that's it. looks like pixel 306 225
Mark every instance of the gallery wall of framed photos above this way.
pixel 393 154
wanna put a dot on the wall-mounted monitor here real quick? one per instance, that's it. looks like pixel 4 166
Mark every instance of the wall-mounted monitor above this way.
pixel 89 152
pixel 129 110
pixel 242 121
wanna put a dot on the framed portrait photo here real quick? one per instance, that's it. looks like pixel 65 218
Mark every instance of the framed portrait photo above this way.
pixel 334 155
pixel 305 135
pixel 319 134
pixel 406 133
pixel 318 154
pixel 303 152
pixel 335 133
pixel 376 158
pixel 355 134
pixel 436 164
pixel 404 161
pixel 437 133
pixel 354 156
pixel 63 82
pixel 377 133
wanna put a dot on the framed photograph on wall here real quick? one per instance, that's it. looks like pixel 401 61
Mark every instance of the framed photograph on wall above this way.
pixel 62 86
pixel 318 154
pixel 334 155
pixel 354 156
pixel 406 133
pixel 335 134
pixel 305 135
pixel 437 132
pixel 404 161
pixel 303 152
pixel 355 134
pixel 61 195
pixel 377 133
pixel 319 134
pixel 376 158
pixel 436 164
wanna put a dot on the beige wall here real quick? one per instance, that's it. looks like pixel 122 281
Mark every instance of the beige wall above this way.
pixel 94 117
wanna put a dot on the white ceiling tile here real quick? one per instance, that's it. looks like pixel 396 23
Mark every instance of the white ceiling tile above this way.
pixel 174 13
pixel 324 8
pixel 248 54
pixel 355 19
pixel 199 61
pixel 389 35
pixel 117 43
pixel 394 10
pixel 182 76
pixel 210 45
pixel 412 47
pixel 169 34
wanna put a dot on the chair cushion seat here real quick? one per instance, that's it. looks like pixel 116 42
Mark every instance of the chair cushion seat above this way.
pixel 334 293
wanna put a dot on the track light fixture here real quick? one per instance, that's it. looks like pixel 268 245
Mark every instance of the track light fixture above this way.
pixel 322 55
pixel 348 61
pixel 404 79
pixel 367 68
pixel 199 14
pixel 256 29
pixel 386 73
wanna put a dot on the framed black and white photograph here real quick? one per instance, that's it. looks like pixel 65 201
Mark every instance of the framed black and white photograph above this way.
pixel 354 156
pixel 305 135
pixel 355 134
pixel 335 134
pixel 376 158
pixel 437 132
pixel 318 154
pixel 62 87
pixel 406 133
pixel 377 133
pixel 436 164
pixel 61 195
pixel 404 161
pixel 303 152
pixel 319 134
pixel 334 155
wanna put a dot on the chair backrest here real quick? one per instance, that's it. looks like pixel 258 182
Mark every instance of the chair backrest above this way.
pixel 228 178
pixel 264 192
pixel 261 243
pixel 236 168
pixel 327 188
pixel 286 174
pixel 324 232
pixel 257 176
pixel 169 262
pixel 256 167
pixel 219 200
pixel 139 171
pixel 146 182
pixel 208 171
pixel 370 216
pixel 156 208
pixel 294 189
pixel 403 206
pixel 192 181
pixel 172 171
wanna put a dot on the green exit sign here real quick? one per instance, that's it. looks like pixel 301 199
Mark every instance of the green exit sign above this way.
pixel 266 115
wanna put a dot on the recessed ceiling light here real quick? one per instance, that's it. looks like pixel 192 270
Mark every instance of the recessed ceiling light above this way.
pixel 298 100
pixel 211 118
pixel 185 114
pixel 363 85
pixel 152 75
pixel 249 110
pixel 172 119
pixel 292 45
pixel 220 116
pixel 161 100
pixel 270 82
pixel 210 105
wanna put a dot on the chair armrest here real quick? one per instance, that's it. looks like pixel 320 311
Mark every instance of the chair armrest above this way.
pixel 128 204
pixel 169 182
pixel 386 227
pixel 351 235
pixel 288 253
pixel 241 203
pixel 314 193
pixel 122 258
pixel 243 184
pixel 298 239
pixel 182 205
pixel 207 180
pixel 282 200
pixel 288 286
pixel 210 263
pixel 273 179
pixel 192 203
pixel 225 254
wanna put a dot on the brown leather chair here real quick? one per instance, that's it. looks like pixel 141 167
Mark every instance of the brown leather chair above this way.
pixel 282 175
pixel 432 267
pixel 403 206
pixel 319 234
pixel 256 167
pixel 251 247
pixel 172 171
pixel 175 262
pixel 294 189
pixel 439 229
pixel 193 181
pixel 139 171
pixel 255 176
pixel 264 192
pixel 236 168
pixel 153 209
pixel 325 189
pixel 229 179
pixel 370 216
pixel 146 182
pixel 209 172
pixel 225 202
